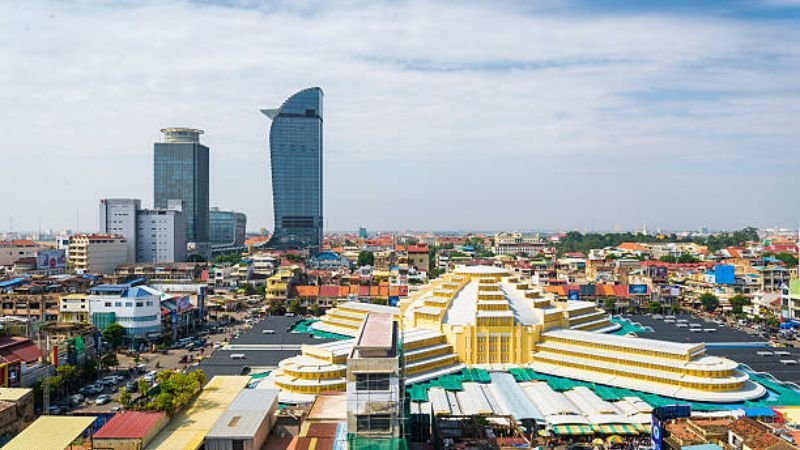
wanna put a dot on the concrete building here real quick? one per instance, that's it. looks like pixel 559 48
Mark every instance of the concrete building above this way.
pixel 74 308
pixel 136 308
pixel 227 228
pixel 97 253
pixel 153 235
pixel 515 243
pixel 161 236
pixel 181 172
pixel 118 217
pixel 375 381
pixel 130 430
pixel 246 423
pixel 11 251
pixel 16 410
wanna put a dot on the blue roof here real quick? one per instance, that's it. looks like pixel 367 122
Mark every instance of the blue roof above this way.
pixel 758 412
pixel 137 292
pixel 327 256
pixel 11 283
pixel 702 447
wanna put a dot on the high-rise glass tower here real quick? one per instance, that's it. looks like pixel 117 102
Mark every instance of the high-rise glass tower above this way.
pixel 295 144
pixel 180 172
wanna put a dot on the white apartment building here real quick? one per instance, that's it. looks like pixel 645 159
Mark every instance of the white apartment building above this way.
pixel 515 243
pixel 97 253
pixel 160 236
pixel 153 235
pixel 136 308
pixel 118 216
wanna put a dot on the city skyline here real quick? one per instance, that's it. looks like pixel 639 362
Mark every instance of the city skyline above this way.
pixel 558 116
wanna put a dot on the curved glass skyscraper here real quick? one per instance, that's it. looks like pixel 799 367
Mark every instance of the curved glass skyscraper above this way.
pixel 295 145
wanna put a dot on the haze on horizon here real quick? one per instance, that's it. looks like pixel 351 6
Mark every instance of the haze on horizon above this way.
pixel 437 116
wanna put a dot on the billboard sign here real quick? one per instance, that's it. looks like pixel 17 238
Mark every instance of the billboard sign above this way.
pixel 724 274
pixel 394 300
pixel 637 289
pixel 656 430
pixel 573 294
pixel 51 259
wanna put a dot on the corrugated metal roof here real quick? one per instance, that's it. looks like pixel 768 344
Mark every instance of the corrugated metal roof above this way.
pixel 245 414
pixel 51 433
pixel 130 424
pixel 187 430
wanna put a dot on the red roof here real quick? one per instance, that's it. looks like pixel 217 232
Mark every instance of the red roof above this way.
pixel 130 424
pixel 329 291
pixel 19 349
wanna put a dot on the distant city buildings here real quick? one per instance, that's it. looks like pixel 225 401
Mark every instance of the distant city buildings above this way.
pixel 158 235
pixel 181 172
pixel 97 253
pixel 227 228
pixel 295 141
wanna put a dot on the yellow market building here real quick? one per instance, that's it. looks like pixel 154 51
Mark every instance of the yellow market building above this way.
pixel 488 317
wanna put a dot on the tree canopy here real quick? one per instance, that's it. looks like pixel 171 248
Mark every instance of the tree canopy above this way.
pixel 113 334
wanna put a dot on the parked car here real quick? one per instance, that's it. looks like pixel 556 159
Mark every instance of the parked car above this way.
pixel 150 376
pixel 55 410
pixel 77 399
pixel 131 386
pixel 102 399
pixel 92 389
pixel 110 380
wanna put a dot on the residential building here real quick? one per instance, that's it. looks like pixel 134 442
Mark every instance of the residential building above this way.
pixel 153 235
pixel 374 380
pixel 172 273
pixel 161 236
pixel 11 251
pixel 226 228
pixel 295 142
pixel 181 172
pixel 129 430
pixel 790 296
pixel 118 217
pixel 38 306
pixel 137 308
pixel 516 243
pixel 97 253
pixel 74 308
pixel 246 423
pixel 16 410
pixel 419 257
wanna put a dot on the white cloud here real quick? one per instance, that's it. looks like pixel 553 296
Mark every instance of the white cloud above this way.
pixel 447 98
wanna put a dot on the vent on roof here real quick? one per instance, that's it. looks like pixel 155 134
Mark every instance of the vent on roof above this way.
pixel 234 421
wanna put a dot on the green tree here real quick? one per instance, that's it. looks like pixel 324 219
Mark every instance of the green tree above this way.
pixel 668 259
pixel 654 307
pixel 787 258
pixel 143 386
pixel 125 397
pixel 687 259
pixel 709 301
pixel 69 375
pixel 610 304
pixel 737 302
pixel 249 289
pixel 366 258
pixel 294 306
pixel 109 360
pixel 314 309
pixel 113 334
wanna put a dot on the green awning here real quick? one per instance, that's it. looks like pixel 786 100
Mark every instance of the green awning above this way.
pixel 572 430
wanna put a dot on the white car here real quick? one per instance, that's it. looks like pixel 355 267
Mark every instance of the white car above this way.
pixel 150 376
pixel 102 399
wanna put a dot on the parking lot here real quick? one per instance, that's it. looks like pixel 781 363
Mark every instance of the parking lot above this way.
pixel 726 341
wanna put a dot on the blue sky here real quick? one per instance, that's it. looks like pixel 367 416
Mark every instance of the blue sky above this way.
pixel 438 115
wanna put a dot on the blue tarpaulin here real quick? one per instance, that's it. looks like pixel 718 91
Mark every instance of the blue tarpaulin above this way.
pixel 758 412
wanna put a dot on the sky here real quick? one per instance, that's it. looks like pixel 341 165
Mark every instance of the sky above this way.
pixel 454 115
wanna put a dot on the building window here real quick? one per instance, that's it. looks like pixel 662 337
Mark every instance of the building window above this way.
pixel 108 304
pixel 117 304
pixel 128 304
pixel 372 382
pixel 139 304
pixel 373 422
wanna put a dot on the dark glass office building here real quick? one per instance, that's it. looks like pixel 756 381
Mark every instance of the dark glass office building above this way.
pixel 227 228
pixel 180 172
pixel 295 144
